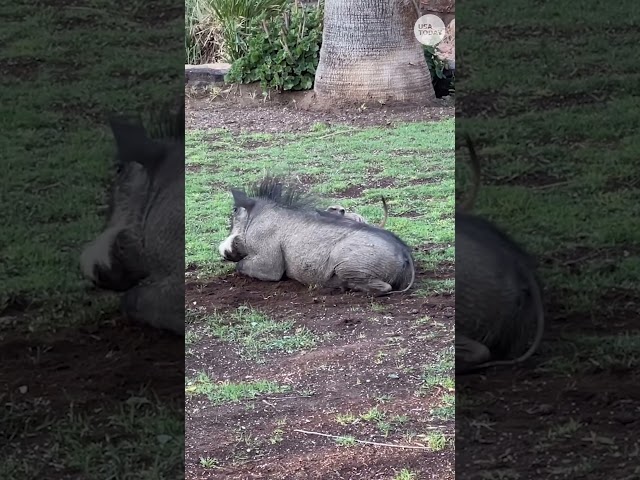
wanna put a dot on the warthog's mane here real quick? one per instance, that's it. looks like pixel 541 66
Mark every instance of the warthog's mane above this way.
pixel 275 189
pixel 166 122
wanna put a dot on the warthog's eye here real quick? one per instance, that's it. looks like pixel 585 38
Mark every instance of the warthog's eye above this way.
pixel 235 210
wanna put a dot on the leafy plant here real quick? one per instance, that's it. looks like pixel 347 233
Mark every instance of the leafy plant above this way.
pixel 283 51
pixel 437 68
pixel 236 18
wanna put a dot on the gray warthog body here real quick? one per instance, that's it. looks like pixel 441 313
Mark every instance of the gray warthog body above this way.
pixel 499 305
pixel 141 250
pixel 275 234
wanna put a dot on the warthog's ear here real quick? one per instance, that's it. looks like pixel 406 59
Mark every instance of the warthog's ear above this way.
pixel 240 199
pixel 132 142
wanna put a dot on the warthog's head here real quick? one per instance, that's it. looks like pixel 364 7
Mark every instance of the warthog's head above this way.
pixel 113 260
pixel 233 247
pixel 260 200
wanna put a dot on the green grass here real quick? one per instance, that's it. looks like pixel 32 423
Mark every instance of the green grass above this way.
pixel 348 441
pixel 564 150
pixel 415 161
pixel 227 392
pixel 138 435
pixel 447 408
pixel 56 146
pixel 65 69
pixel 440 373
pixel 257 334
pixel 436 441
pixel 405 474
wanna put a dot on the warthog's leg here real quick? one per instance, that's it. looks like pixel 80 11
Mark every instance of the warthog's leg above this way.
pixel 362 280
pixel 373 287
pixel 470 353
pixel 269 268
pixel 158 303
pixel 115 261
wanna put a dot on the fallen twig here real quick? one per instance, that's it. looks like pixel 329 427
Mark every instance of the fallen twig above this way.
pixel 415 447
pixel 332 134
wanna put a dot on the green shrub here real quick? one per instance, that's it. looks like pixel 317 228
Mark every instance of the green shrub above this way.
pixel 283 51
pixel 236 16
pixel 436 66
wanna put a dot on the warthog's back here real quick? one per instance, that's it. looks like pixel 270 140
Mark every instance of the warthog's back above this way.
pixel 493 292
pixel 314 245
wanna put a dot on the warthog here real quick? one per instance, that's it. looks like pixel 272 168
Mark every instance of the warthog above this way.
pixel 340 210
pixel 467 204
pixel 275 231
pixel 141 250
pixel 499 304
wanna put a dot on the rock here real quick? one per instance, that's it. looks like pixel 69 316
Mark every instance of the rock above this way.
pixel 211 73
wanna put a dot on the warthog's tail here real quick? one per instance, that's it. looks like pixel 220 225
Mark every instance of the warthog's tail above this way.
pixel 413 278
pixel 386 212
pixel 537 299
pixel 467 204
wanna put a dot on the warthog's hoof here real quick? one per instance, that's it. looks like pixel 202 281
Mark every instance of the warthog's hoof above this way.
pixel 116 278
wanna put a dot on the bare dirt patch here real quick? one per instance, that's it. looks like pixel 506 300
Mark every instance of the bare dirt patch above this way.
pixel 256 116
pixel 362 355
pixel 115 359
pixel 88 372
pixel 589 418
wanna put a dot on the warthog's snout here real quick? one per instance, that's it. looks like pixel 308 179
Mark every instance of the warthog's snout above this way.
pixel 101 261
pixel 229 249
pixel 96 255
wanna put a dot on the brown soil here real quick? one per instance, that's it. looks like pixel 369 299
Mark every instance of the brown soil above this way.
pixel 368 354
pixel 285 115
pixel 90 370
pixel 514 427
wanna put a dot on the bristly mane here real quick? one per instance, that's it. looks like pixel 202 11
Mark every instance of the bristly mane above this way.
pixel 166 122
pixel 275 189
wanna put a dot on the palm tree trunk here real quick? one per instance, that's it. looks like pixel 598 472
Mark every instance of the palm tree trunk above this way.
pixel 369 52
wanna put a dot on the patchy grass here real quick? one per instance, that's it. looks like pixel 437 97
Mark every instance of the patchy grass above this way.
pixel 64 69
pixel 418 181
pixel 258 334
pixel 357 369
pixel 226 392
pixel 559 151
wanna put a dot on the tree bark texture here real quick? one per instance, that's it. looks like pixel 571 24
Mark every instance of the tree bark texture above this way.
pixel 369 52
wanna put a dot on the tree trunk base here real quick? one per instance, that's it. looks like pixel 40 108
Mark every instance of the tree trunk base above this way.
pixel 372 79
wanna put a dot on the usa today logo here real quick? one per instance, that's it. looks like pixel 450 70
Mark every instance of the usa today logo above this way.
pixel 429 30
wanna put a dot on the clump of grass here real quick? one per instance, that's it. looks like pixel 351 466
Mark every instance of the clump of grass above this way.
pixel 258 334
pixel 405 474
pixel 436 441
pixel 203 34
pixel 228 392
pixel 234 17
